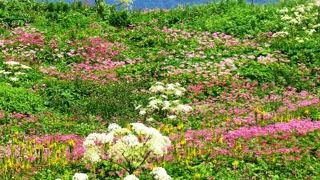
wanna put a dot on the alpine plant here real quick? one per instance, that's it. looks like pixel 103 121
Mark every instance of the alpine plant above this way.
pixel 131 147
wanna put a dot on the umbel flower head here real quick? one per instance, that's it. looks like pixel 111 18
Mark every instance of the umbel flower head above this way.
pixel 168 89
pixel 160 174
pixel 133 145
pixel 80 176
pixel 167 101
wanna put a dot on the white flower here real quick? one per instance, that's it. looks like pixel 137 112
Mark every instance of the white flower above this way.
pixel 153 104
pixel 150 119
pixel 13 79
pixel 121 131
pixel 159 145
pixel 317 3
pixel 280 34
pixel 284 10
pixel 19 73
pixel 142 112
pixel 5 72
pixel 157 88
pixel 286 18
pixel 160 174
pixel 113 127
pixel 166 105
pixel 172 117
pixel 164 96
pixel 131 177
pixel 25 67
pixel 92 154
pixel 107 138
pixel 138 107
pixel 311 31
pixel 11 63
pixel 80 176
pixel 300 9
pixel 127 145
pixel 182 108
pixel 126 148
pixel 171 87
pixel 178 92
pixel 139 128
pixel 130 140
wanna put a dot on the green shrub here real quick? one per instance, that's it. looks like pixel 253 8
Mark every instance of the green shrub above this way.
pixel 20 100
pixel 120 18
pixel 85 98
pixel 279 73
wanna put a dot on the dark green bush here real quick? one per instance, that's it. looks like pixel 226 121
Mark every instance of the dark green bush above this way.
pixel 120 18
pixel 85 98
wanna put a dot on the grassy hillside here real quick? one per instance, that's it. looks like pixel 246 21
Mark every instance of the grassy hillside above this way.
pixel 225 90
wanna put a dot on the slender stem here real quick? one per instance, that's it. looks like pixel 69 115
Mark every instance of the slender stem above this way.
pixel 145 158
pixel 131 168
pixel 121 166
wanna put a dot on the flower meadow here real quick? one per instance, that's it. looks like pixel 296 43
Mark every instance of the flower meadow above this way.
pixel 224 90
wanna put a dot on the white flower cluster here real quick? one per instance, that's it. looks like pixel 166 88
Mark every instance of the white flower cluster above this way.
pixel 166 102
pixel 281 34
pixel 301 18
pixel 13 70
pixel 160 174
pixel 131 177
pixel 168 89
pixel 80 176
pixel 133 145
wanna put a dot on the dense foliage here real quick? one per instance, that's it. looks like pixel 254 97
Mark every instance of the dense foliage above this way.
pixel 225 90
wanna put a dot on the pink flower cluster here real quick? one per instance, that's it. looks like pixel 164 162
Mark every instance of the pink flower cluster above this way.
pixel 301 127
pixel 96 48
pixel 29 39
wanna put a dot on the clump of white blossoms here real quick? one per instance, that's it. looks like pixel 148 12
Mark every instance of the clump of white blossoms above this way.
pixel 13 70
pixel 131 177
pixel 168 89
pixel 302 18
pixel 130 147
pixel 160 173
pixel 80 176
pixel 167 102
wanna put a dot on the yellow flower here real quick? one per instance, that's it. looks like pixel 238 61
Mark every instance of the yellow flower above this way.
pixel 197 176
pixel 235 164
pixel 136 172
pixel 221 140
pixel 238 147
pixel 194 152
pixel 183 141
pixel 180 126
pixel 10 163
pixel 71 142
